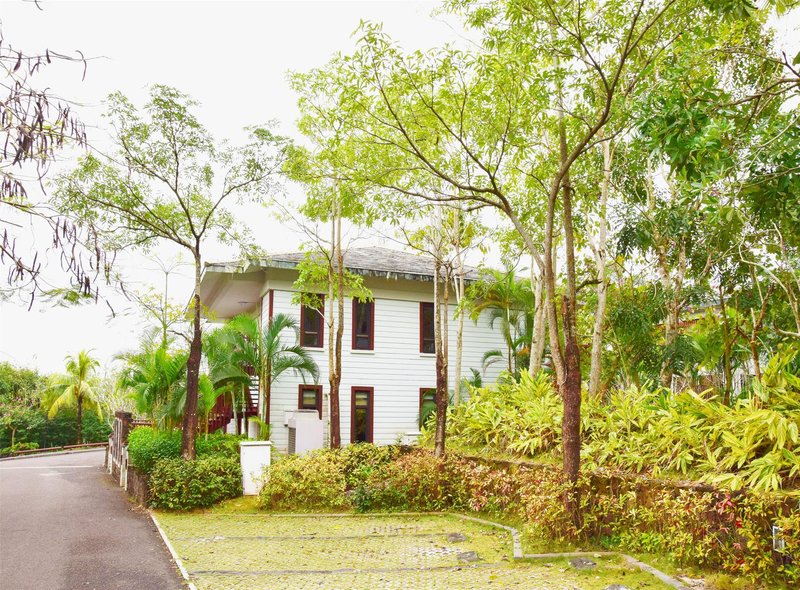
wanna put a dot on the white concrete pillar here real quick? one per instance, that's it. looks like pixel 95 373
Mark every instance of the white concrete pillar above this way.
pixel 255 456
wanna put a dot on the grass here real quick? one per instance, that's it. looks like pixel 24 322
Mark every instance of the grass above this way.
pixel 236 545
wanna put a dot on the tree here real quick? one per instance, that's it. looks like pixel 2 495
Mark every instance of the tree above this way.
pixel 16 417
pixel 162 184
pixel 34 127
pixel 262 350
pixel 509 302
pixel 74 388
pixel 156 381
pixel 322 270
pixel 510 126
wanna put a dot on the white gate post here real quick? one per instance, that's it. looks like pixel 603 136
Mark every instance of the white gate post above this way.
pixel 255 456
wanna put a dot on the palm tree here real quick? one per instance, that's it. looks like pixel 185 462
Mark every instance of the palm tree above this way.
pixel 232 357
pixel 155 378
pixel 265 352
pixel 74 388
pixel 509 302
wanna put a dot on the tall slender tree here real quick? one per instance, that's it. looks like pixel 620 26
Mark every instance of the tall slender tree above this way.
pixel 168 180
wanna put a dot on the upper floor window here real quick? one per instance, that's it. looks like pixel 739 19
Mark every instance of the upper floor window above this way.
pixel 427 341
pixel 310 398
pixel 363 325
pixel 312 325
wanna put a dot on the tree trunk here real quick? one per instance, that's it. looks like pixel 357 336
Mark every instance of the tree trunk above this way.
pixel 335 291
pixel 234 413
pixel 539 322
pixel 441 363
pixel 459 289
pixel 266 390
pixel 509 342
pixel 602 287
pixel 569 383
pixel 726 352
pixel 189 425
pixel 571 392
pixel 79 436
pixel 339 319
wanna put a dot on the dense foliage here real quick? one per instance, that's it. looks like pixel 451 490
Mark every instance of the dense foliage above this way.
pixel 148 446
pixel 24 423
pixel 752 443
pixel 176 484
pixel 338 478
pixel 714 529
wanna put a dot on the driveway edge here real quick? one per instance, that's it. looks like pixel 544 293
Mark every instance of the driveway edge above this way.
pixel 172 552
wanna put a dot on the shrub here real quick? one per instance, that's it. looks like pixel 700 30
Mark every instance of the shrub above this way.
pixel 751 444
pixel 146 446
pixel 418 480
pixel 176 484
pixel 312 481
pixel 361 461
pixel 719 530
pixel 22 446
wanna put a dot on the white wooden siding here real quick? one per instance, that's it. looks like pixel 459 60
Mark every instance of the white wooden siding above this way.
pixel 395 368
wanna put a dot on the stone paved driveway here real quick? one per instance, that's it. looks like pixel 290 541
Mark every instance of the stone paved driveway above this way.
pixel 222 551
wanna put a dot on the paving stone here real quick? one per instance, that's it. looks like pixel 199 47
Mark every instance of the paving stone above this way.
pixel 467 556
pixel 271 552
pixel 582 563
pixel 617 587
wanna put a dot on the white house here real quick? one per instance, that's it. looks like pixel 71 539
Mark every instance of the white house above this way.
pixel 388 361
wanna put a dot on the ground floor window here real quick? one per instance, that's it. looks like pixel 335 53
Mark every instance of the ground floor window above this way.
pixel 310 398
pixel 427 404
pixel 361 411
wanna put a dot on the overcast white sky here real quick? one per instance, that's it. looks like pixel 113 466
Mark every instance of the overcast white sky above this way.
pixel 231 56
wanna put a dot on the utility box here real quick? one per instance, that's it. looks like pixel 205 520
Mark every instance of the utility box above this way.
pixel 305 431
pixel 255 457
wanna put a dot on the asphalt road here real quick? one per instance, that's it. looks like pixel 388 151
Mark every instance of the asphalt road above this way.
pixel 64 524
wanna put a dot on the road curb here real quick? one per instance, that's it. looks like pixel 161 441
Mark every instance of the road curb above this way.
pixel 172 552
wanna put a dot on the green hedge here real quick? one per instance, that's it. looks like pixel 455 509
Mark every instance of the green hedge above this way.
pixel 326 479
pixel 146 446
pixel 176 484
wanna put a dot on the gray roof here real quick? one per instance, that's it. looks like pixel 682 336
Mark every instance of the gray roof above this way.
pixel 367 261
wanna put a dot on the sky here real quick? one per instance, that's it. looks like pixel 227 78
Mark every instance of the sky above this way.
pixel 233 57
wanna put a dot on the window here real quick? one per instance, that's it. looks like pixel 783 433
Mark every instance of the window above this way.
pixel 361 414
pixel 427 342
pixel 312 325
pixel 427 404
pixel 363 325
pixel 310 398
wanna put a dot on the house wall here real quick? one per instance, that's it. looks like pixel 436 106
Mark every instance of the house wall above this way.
pixel 395 368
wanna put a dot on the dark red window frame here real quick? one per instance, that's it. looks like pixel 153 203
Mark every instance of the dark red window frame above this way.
pixel 431 341
pixel 317 391
pixel 370 412
pixel 371 334
pixel 320 315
